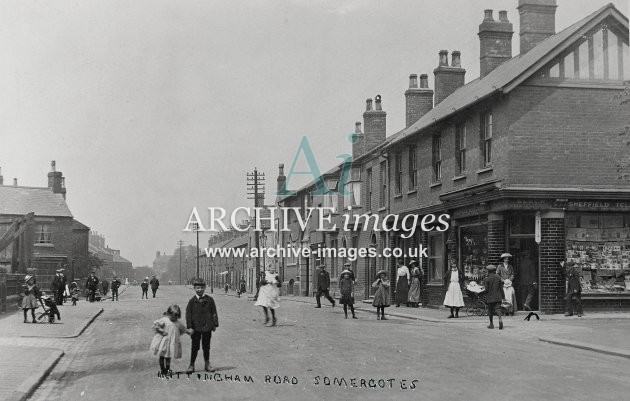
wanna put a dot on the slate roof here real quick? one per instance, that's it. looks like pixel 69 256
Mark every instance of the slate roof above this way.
pixel 41 201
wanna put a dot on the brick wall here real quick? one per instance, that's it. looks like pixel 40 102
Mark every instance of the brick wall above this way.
pixel 496 241
pixel 552 287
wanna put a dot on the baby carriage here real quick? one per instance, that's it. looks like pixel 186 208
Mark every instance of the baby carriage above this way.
pixel 49 309
pixel 477 305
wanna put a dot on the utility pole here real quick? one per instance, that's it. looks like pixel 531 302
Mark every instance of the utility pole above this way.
pixel 256 190
pixel 180 242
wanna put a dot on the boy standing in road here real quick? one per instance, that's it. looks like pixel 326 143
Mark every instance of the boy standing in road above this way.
pixel 115 286
pixel 202 318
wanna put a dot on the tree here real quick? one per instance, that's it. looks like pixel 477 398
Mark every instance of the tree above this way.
pixel 93 263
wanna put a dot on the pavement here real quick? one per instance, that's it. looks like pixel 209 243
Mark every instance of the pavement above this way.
pixel 31 350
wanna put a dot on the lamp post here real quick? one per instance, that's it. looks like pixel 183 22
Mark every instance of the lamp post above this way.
pixel 196 230
pixel 180 261
pixel 212 277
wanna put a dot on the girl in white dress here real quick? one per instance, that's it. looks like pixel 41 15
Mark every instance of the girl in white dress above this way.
pixel 269 295
pixel 166 342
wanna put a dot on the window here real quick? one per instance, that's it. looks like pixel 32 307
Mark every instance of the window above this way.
pixel 437 158
pixel 352 195
pixel 383 194
pixel 368 182
pixel 43 234
pixel 473 241
pixel 398 172
pixel 436 257
pixel 486 139
pixel 460 148
pixel 413 168
pixel 330 201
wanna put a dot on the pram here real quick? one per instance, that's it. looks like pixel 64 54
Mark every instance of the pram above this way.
pixel 477 305
pixel 50 309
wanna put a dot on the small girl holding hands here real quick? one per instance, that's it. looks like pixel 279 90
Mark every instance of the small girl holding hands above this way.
pixel 166 342
pixel 381 297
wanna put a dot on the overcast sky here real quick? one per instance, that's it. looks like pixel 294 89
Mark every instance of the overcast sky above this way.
pixel 153 107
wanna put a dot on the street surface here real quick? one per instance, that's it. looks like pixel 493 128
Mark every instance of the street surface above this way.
pixel 316 354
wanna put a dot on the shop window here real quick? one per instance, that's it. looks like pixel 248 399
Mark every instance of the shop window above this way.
pixel 474 251
pixel 522 224
pixel 599 244
pixel 436 257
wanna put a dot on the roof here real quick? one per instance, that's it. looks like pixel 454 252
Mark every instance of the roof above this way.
pixel 509 74
pixel 240 241
pixel 162 259
pixel 120 259
pixel 41 201
pixel 77 225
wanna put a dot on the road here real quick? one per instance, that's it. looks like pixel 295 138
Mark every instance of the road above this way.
pixel 316 354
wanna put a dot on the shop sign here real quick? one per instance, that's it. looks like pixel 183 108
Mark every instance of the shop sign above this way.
pixel 619 206
pixel 537 228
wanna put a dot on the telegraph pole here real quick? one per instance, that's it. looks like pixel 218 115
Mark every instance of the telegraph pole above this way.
pixel 196 229
pixel 256 190
pixel 180 242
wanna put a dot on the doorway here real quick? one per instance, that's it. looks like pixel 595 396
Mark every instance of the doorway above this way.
pixel 524 252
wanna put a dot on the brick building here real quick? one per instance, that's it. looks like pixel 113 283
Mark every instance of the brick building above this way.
pixel 523 159
pixel 113 263
pixel 53 238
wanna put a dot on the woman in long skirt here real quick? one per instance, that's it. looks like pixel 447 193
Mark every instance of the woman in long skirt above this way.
pixel 381 297
pixel 346 288
pixel 454 298
pixel 269 295
pixel 414 289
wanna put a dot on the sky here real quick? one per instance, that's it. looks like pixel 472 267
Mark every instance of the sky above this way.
pixel 153 107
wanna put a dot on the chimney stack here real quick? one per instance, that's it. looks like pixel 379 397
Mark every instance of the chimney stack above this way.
pixel 357 138
pixel 15 182
pixel 448 78
pixel 374 123
pixel 1 177
pixel 495 42
pixel 418 100
pixel 56 181
pixel 282 179
pixel 537 20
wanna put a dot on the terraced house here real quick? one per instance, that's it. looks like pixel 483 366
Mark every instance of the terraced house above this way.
pixel 525 159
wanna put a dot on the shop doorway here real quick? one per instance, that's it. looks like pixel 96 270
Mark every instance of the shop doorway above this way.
pixel 524 252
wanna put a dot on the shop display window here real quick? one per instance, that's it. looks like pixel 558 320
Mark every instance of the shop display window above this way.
pixel 474 251
pixel 599 243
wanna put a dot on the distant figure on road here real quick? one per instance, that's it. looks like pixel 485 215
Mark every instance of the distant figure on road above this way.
pixel 145 288
pixel 381 297
pixel 115 287
pixel 268 296
pixel 226 287
pixel 242 288
pixel 202 318
pixel 323 283
pixel 166 342
pixel 155 283
pixel 31 297
pixel 92 286
pixel 74 293
pixel 346 288
pixel 58 286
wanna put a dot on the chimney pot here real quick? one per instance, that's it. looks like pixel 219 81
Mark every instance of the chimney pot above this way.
pixel 281 169
pixel 368 105
pixel 503 16
pixel 413 81
pixel 456 58
pixel 357 127
pixel 377 100
pixel 53 166
pixel 424 81
pixel 488 15
pixel 15 182
pixel 443 58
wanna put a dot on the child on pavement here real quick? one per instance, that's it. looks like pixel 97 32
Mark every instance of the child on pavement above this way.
pixel 381 297
pixel 202 320
pixel 166 342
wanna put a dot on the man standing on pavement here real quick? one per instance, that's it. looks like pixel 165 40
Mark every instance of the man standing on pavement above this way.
pixel 323 283
pixel 573 290
pixel 92 286
pixel 155 283
pixel 115 286
pixel 58 287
